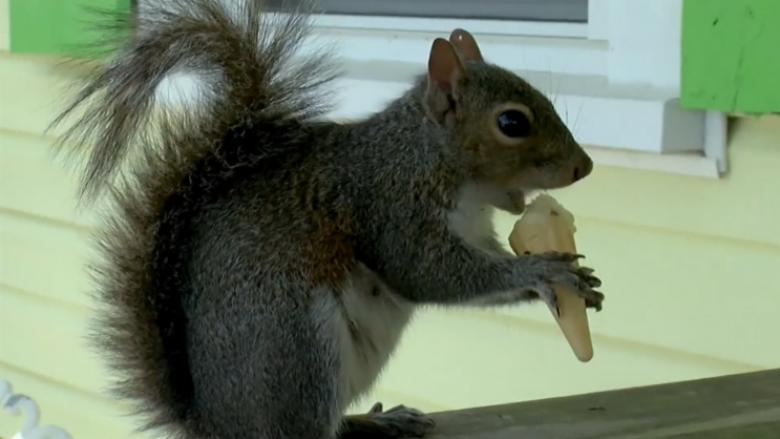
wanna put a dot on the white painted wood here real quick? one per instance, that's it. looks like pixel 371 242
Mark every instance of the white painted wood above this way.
pixel 631 46
pixel 446 25
pixel 716 125
pixel 625 119
pixel 614 80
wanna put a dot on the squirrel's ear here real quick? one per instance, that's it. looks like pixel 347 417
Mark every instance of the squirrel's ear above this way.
pixel 444 70
pixel 444 65
pixel 466 45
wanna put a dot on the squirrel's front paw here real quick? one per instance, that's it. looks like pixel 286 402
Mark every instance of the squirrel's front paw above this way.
pixel 557 268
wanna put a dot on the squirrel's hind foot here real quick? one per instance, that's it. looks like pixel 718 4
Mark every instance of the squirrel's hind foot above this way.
pixel 397 422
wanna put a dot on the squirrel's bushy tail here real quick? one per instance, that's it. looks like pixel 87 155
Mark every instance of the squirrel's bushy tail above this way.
pixel 241 59
pixel 155 161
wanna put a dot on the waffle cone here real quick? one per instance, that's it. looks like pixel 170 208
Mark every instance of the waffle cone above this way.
pixel 547 226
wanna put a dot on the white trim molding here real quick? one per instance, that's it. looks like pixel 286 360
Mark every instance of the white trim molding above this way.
pixel 446 25
pixel 614 80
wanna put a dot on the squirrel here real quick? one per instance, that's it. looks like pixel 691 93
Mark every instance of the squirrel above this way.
pixel 259 263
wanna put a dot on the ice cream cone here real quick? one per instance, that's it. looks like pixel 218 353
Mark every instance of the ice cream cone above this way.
pixel 547 226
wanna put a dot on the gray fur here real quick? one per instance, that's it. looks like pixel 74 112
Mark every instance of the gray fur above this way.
pixel 260 266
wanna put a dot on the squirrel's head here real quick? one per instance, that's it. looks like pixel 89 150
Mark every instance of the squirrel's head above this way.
pixel 507 129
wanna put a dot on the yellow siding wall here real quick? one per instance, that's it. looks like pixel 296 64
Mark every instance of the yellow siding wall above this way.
pixel 689 266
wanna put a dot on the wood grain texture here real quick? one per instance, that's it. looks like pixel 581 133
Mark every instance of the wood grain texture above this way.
pixel 731 407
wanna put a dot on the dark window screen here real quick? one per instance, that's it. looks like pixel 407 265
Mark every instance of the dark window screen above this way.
pixel 575 11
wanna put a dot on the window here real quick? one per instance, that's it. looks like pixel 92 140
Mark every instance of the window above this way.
pixel 613 67
pixel 575 11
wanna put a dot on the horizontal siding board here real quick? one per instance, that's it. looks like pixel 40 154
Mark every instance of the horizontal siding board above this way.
pixel 44 258
pixel 489 361
pixel 644 198
pixel 738 206
pixel 54 345
pixel 676 302
pixel 686 292
pixel 458 361
pixel 31 182
pixel 37 87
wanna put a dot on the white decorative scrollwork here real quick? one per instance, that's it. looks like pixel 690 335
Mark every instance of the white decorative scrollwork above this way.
pixel 18 404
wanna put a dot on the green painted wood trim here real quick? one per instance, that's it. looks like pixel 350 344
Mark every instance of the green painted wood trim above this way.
pixel 56 27
pixel 731 55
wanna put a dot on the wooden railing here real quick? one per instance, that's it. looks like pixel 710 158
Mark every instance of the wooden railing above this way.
pixel 744 406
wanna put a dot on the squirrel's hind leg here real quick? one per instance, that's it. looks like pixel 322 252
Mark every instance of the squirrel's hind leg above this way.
pixel 261 364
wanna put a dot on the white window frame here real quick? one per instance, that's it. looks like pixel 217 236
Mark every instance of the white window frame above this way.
pixel 616 77
pixel 614 80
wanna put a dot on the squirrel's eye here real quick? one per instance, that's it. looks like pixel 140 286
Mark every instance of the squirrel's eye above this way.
pixel 514 124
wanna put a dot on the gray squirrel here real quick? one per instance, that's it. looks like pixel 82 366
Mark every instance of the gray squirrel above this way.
pixel 260 263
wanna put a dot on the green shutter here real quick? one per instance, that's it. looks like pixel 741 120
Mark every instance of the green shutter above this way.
pixel 56 27
pixel 731 55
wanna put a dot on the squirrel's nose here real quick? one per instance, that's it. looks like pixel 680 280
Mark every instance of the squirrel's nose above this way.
pixel 583 168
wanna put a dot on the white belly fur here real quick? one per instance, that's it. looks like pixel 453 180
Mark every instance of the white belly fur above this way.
pixel 473 222
pixel 372 322
pixel 473 219
pixel 370 325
